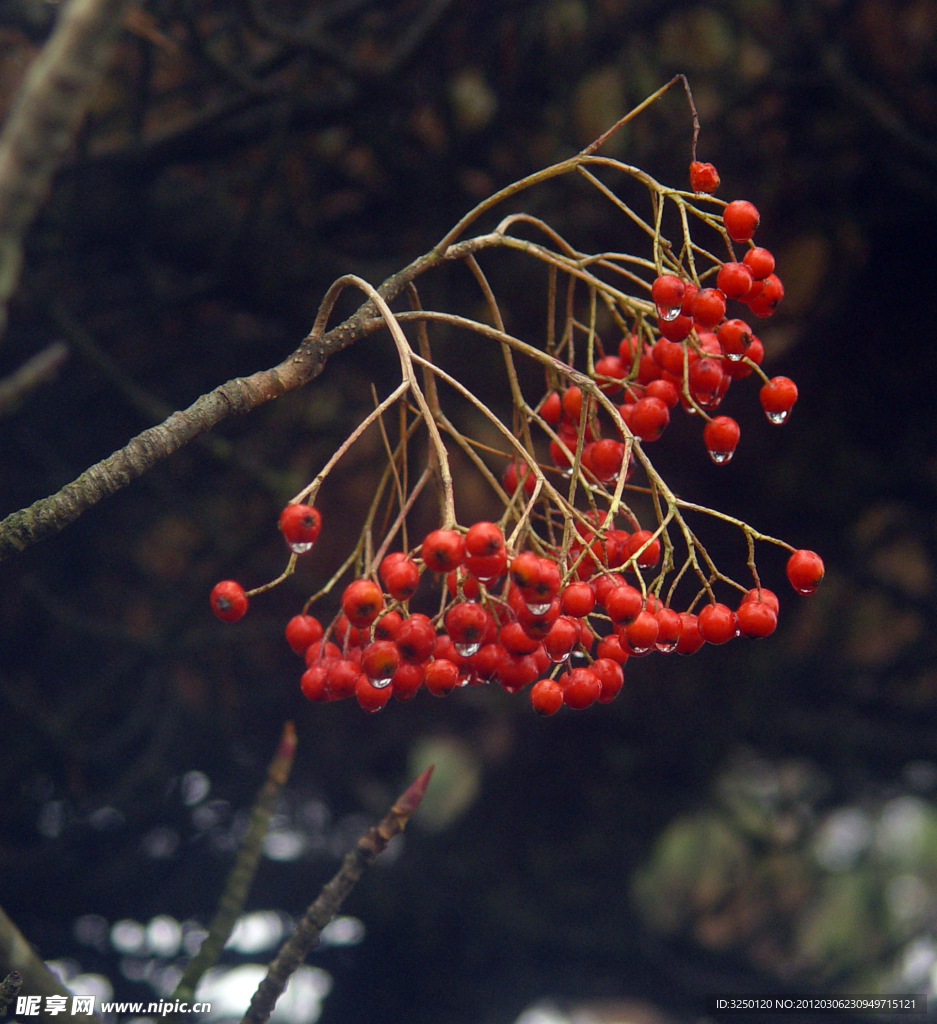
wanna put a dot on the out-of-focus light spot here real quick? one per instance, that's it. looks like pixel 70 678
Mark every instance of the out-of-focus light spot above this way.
pixel 899 834
pixel 193 935
pixel 163 936
pixel 128 936
pixel 91 985
pixel 907 897
pixel 229 991
pixel 136 968
pixel 842 838
pixel 342 931
pixel 106 819
pixel 256 932
pixel 284 844
pixel 160 842
pixel 51 819
pixel 921 775
pixel 91 930
pixel 195 786
pixel 164 978
pixel 207 816
pixel 918 960
pixel 64 969
pixel 315 815
pixel 543 1013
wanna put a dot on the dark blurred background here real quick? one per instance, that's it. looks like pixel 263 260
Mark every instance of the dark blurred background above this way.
pixel 761 817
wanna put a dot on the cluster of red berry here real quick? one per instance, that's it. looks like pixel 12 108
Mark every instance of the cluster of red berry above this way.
pixel 511 620
pixel 566 614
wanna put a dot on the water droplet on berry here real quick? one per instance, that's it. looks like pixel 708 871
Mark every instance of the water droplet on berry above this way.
pixel 667 648
pixel 537 608
pixel 668 314
pixel 560 658
pixel 733 357
pixel 642 650
pixel 467 650
pixel 300 547
pixel 381 682
pixel 778 417
pixel 721 458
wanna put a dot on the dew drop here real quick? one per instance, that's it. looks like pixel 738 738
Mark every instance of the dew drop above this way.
pixel 381 682
pixel 538 609
pixel 467 650
pixel 668 314
pixel 733 357
pixel 667 648
pixel 778 417
pixel 559 658
pixel 720 458
pixel 300 547
pixel 642 650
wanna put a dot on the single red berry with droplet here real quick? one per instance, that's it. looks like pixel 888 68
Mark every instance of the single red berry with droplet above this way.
pixel 756 619
pixel 581 689
pixel 546 696
pixel 649 418
pixel 777 398
pixel 805 571
pixel 721 437
pixel 300 526
pixel 228 601
pixel 716 623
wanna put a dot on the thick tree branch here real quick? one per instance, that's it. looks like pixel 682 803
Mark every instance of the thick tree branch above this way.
pixel 44 119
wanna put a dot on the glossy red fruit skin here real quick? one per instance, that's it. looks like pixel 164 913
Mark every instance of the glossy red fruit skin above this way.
pixel 546 696
pixel 624 604
pixel 667 291
pixel 341 679
pixel 406 680
pixel 400 575
pixel 734 336
pixel 734 280
pixel 561 638
pixel 650 556
pixel 649 419
pixel 518 474
pixel 691 640
pixel 741 218
pixel 760 262
pixel 577 599
pixel 300 524
pixel 764 595
pixel 805 571
pixel 704 177
pixel 370 697
pixel 362 602
pixel 312 682
pixel 380 660
pixel 721 435
pixel 466 622
pixel 717 623
pixel 582 688
pixel 416 639
pixel 756 619
pixel 642 633
pixel 777 398
pixel 301 631
pixel 228 601
pixel 709 307
pixel 443 550
pixel 610 647
pixel 484 539
pixel 611 678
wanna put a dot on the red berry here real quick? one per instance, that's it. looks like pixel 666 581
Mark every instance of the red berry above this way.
pixel 669 628
pixel 734 279
pixel 741 219
pixel 768 297
pixel 740 368
pixel 650 556
pixel 441 677
pixel 624 604
pixel 416 639
pixel 572 403
pixel 665 390
pixel 607 458
pixel 667 293
pixel 703 177
pixel 401 577
pixel 805 571
pixel 705 379
pixel 756 619
pixel 561 639
pixel 649 417
pixel 316 653
pixel 484 538
pixel 489 660
pixel 709 307
pixel 552 408
pixel 300 526
pixel 764 596
pixel 228 600
pixel 610 676
pixel 582 688
pixel 371 697
pixel 407 680
pixel 577 599
pixel 716 623
pixel 301 631
pixel 546 696
pixel 342 678
pixel 467 623
pixel 385 628
pixel 312 681
pixel 642 633
pixel 362 602
pixel 760 262
pixel 777 398
pixel 721 437
pixel 519 471
pixel 610 647
pixel 676 329
pixel 442 550
pixel 379 661
pixel 734 338
pixel 516 673
pixel 487 568
pixel 613 367
pixel 691 639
